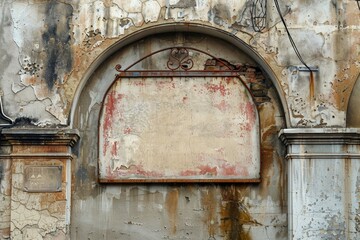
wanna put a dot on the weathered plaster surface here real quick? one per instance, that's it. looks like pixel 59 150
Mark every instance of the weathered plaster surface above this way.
pixel 56 42
pixel 28 214
pixel 323 184
pixel 5 196
pixel 179 127
pixel 36 215
pixel 178 211
pixel 48 50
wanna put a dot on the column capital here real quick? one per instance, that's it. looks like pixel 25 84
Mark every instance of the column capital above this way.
pixel 39 136
pixel 320 136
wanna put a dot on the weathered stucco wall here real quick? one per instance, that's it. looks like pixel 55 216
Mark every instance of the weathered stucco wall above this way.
pixel 57 61
pixel 178 211
pixel 29 208
pixel 48 46
pixel 323 183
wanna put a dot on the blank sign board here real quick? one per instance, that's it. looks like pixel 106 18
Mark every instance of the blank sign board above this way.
pixel 179 129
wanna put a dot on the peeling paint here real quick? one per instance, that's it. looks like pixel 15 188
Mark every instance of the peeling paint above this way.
pixel 55 58
pixel 135 134
pixel 181 211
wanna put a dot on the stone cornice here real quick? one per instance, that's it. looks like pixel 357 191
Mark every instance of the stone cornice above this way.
pixel 320 136
pixel 38 156
pixel 39 136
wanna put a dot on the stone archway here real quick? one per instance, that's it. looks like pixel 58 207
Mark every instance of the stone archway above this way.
pixel 352 115
pixel 174 211
pixel 185 28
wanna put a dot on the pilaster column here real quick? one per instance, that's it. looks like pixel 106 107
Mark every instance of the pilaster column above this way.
pixel 323 183
pixel 40 181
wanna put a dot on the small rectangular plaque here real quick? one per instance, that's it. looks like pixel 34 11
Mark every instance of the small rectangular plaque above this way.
pixel 42 178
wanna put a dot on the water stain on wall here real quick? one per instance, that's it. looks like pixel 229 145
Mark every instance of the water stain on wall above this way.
pixel 196 211
pixel 172 199
pixel 184 4
pixel 57 42
pixel 210 203
pixel 220 14
pixel 235 214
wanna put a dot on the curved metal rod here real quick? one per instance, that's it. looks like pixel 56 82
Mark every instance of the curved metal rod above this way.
pixel 118 66
pixel 4 117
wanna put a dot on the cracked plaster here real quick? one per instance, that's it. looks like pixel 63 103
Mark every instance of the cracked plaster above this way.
pixel 332 26
pixel 35 215
pixel 114 19
pixel 94 23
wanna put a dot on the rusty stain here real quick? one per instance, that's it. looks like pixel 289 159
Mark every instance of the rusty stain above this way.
pixel 266 169
pixel 312 86
pixel 85 178
pixel 172 199
pixel 234 214
pixel 269 154
pixel 210 203
pixel 88 43
pixel 345 76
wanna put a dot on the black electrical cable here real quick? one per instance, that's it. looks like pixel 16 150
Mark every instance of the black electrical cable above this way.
pixel 258 18
pixel 290 38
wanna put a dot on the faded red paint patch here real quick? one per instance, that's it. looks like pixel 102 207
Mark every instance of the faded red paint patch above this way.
pixel 228 170
pixel 109 110
pixel 127 130
pixel 214 88
pixel 207 170
pixel 111 107
pixel 137 82
pixel 165 84
pixel 188 173
pixel 110 175
pixel 231 80
pixel 136 171
pixel 222 106
pixel 114 149
pixel 249 110
pixel 244 171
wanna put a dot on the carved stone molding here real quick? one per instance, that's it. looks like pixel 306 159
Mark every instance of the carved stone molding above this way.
pixel 31 143
pixel 320 136
pixel 324 143
pixel 34 136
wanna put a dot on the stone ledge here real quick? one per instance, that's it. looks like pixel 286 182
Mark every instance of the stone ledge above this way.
pixel 36 136
pixel 322 156
pixel 38 156
pixel 320 136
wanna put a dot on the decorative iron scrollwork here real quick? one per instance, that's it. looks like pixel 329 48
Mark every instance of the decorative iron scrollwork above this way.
pixel 179 62
pixel 179 58
pixel 118 67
